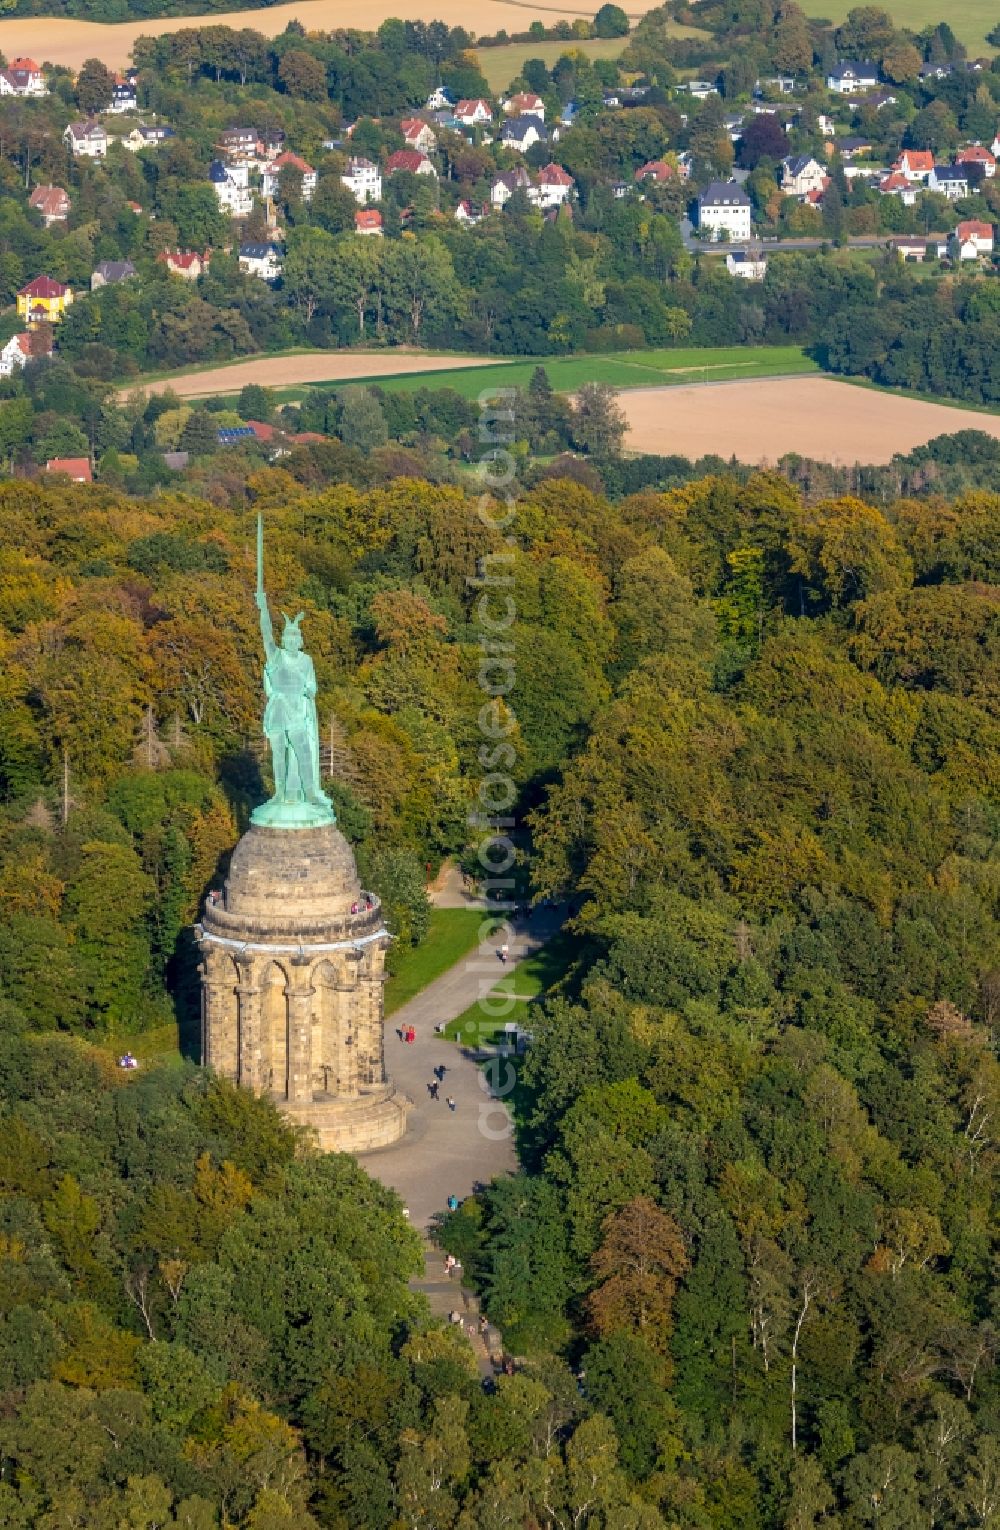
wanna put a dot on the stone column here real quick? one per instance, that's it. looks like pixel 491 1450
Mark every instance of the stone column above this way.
pixel 249 1020
pixel 300 1011
pixel 206 1040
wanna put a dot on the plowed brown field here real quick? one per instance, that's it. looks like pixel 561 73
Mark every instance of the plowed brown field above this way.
pixel 307 367
pixel 758 422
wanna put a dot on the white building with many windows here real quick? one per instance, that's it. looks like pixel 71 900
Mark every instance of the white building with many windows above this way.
pixel 724 211
pixel 363 180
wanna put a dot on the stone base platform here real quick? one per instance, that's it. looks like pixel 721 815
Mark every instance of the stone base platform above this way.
pixel 376 1118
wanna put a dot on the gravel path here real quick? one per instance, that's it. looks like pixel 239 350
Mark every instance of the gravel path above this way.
pixel 449 1152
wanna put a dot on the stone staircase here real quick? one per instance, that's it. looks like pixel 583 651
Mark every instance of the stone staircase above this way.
pixel 446 1294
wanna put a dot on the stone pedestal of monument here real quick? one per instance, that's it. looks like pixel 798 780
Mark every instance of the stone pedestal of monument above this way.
pixel 292 970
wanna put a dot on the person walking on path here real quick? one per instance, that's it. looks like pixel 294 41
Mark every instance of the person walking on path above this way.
pixel 451 1104
pixel 432 1089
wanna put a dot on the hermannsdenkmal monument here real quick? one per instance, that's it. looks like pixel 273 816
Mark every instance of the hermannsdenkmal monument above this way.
pixel 293 951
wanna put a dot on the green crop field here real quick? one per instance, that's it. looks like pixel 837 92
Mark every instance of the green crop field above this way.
pixel 970 20
pixel 622 369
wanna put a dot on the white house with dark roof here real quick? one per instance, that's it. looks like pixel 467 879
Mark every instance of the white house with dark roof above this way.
pixel 87 140
pixel 951 181
pixel 123 99
pixel 521 132
pixel 851 75
pixel 262 260
pixel 801 174
pixel 749 266
pixel 107 273
pixel 724 210
pixel 231 185
pixel 505 185
pixel 363 179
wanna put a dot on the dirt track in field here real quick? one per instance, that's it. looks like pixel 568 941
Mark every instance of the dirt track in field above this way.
pixel 758 422
pixel 61 40
pixel 310 367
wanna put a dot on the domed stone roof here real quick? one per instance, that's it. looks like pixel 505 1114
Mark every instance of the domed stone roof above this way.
pixel 300 884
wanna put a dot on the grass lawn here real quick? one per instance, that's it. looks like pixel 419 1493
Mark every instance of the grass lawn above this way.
pixel 970 20
pixel 454 932
pixel 162 1044
pixel 530 978
pixel 622 369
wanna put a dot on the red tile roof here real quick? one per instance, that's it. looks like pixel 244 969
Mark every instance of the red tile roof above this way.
pixel 974 228
pixel 78 468
pixel 295 160
pixel 406 159
pixel 368 218
pixel 554 175
pixel 50 201
pixel 43 287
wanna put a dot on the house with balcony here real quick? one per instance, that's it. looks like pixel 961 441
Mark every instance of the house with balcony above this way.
pixel 22 77
pixel 231 184
pixel 271 174
pixel 363 179
pixel 43 301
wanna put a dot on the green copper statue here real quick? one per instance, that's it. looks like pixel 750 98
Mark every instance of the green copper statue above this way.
pixel 290 722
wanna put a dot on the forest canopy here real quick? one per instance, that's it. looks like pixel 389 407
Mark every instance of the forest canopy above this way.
pixel 748 1267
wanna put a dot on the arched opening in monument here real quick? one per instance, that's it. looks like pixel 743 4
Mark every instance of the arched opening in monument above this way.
pixel 274 1030
pixel 334 1061
pixel 223 1019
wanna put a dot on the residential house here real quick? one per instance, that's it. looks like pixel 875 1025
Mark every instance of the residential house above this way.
pixel 911 248
pixel 658 170
pixel 231 185
pixel 874 100
pixel 505 185
pixel 851 75
pixel 123 99
pixel 16 353
pixel 781 84
pixel 418 134
pixel 914 164
pixel 825 125
pixel 235 435
pixel 368 220
pixel 852 147
pixel 552 188
pixel 238 143
pixel 700 89
pixel 521 132
pixel 439 100
pixel 524 104
pixel 271 143
pixel 77 468
pixel 43 301
pixel 87 140
pixel 108 273
pixel 975 154
pixel 951 181
pixel 474 112
pixel 271 175
pixel 896 185
pixel 411 160
pixel 147 136
pixel 52 203
pixel 263 260
pixel 467 213
pixel 22 77
pixel 749 265
pixel 800 174
pixel 724 209
pixel 363 179
pixel 187 264
pixel 971 240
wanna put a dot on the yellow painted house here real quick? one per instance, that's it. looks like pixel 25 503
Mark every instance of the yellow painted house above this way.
pixel 43 301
